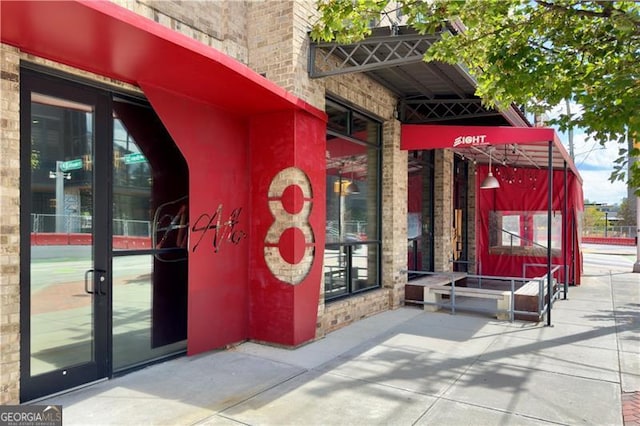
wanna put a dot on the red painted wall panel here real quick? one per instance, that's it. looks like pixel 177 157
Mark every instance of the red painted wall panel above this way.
pixel 282 312
pixel 215 146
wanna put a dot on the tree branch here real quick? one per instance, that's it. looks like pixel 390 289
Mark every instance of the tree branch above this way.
pixel 608 10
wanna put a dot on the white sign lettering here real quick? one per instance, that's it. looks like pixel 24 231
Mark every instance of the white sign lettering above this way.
pixel 470 140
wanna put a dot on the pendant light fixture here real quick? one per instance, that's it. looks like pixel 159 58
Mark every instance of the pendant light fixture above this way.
pixel 352 187
pixel 490 182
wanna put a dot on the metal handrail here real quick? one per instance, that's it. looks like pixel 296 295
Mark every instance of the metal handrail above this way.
pixel 543 306
pixel 523 239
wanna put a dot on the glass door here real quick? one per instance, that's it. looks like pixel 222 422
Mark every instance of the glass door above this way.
pixel 149 242
pixel 459 232
pixel 104 233
pixel 65 270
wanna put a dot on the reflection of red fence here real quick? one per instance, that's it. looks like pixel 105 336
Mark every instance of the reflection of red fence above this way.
pixel 612 241
pixel 78 239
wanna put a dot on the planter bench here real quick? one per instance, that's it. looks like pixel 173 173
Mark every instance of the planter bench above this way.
pixel 434 290
pixel 526 298
pixel 435 287
pixel 502 298
pixel 414 290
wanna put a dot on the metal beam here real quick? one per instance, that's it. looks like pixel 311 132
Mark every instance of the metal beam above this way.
pixel 433 110
pixel 369 54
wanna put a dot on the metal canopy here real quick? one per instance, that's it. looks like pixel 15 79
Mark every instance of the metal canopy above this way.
pixel 428 92
pixel 114 42
pixel 513 147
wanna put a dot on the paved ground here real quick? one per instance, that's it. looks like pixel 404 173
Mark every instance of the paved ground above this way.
pixel 407 367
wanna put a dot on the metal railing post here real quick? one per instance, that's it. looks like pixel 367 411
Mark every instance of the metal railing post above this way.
pixel 513 301
pixel 453 295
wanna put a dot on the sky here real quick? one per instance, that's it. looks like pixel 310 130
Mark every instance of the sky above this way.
pixel 595 164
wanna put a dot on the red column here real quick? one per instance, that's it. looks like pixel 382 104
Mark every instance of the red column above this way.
pixel 288 174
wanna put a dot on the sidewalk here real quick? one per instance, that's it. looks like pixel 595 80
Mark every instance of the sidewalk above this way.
pixel 403 367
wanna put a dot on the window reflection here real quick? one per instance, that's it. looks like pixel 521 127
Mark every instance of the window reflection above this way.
pixel 352 204
pixel 150 221
pixel 61 311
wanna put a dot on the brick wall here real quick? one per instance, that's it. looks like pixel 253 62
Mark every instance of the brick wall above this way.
pixel 443 215
pixel 343 312
pixel 9 225
pixel 278 46
pixel 471 218
pixel 219 24
pixel 394 213
pixel 270 40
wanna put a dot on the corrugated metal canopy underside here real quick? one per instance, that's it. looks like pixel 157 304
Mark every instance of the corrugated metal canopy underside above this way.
pixel 516 155
pixel 432 92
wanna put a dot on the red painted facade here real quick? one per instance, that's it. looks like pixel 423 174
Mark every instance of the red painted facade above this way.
pixel 236 130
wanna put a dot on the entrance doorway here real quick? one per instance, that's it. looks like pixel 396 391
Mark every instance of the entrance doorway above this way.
pixel 104 221
pixel 459 232
pixel 420 207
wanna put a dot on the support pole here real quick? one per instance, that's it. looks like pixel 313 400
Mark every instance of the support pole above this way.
pixel 636 266
pixel 549 212
pixel 632 143
pixel 60 217
pixel 565 229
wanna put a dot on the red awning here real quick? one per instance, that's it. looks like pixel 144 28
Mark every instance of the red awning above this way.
pixel 515 146
pixel 106 39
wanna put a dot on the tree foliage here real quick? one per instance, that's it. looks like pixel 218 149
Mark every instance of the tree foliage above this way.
pixel 593 217
pixel 535 53
pixel 626 215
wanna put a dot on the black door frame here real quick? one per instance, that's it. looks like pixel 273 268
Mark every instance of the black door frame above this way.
pixel 461 201
pixel 101 366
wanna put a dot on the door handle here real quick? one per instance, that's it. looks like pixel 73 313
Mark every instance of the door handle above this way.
pixel 101 279
pixel 86 281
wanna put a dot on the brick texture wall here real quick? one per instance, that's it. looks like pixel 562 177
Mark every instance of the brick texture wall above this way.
pixel 471 232
pixel 9 225
pixel 443 216
pixel 278 46
pixel 219 24
pixel 343 312
pixel 394 213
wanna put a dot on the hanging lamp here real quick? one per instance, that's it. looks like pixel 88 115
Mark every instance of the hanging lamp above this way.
pixel 490 182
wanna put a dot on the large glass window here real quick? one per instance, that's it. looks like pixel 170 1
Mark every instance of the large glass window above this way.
pixel 352 250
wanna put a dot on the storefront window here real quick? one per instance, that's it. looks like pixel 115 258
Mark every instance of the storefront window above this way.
pixel 352 232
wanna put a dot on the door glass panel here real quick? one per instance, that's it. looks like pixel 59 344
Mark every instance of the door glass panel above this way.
pixel 150 222
pixel 420 212
pixel 61 333
pixel 132 183
pixel 132 317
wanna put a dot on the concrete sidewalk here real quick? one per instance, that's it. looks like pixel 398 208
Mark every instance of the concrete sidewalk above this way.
pixel 403 367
